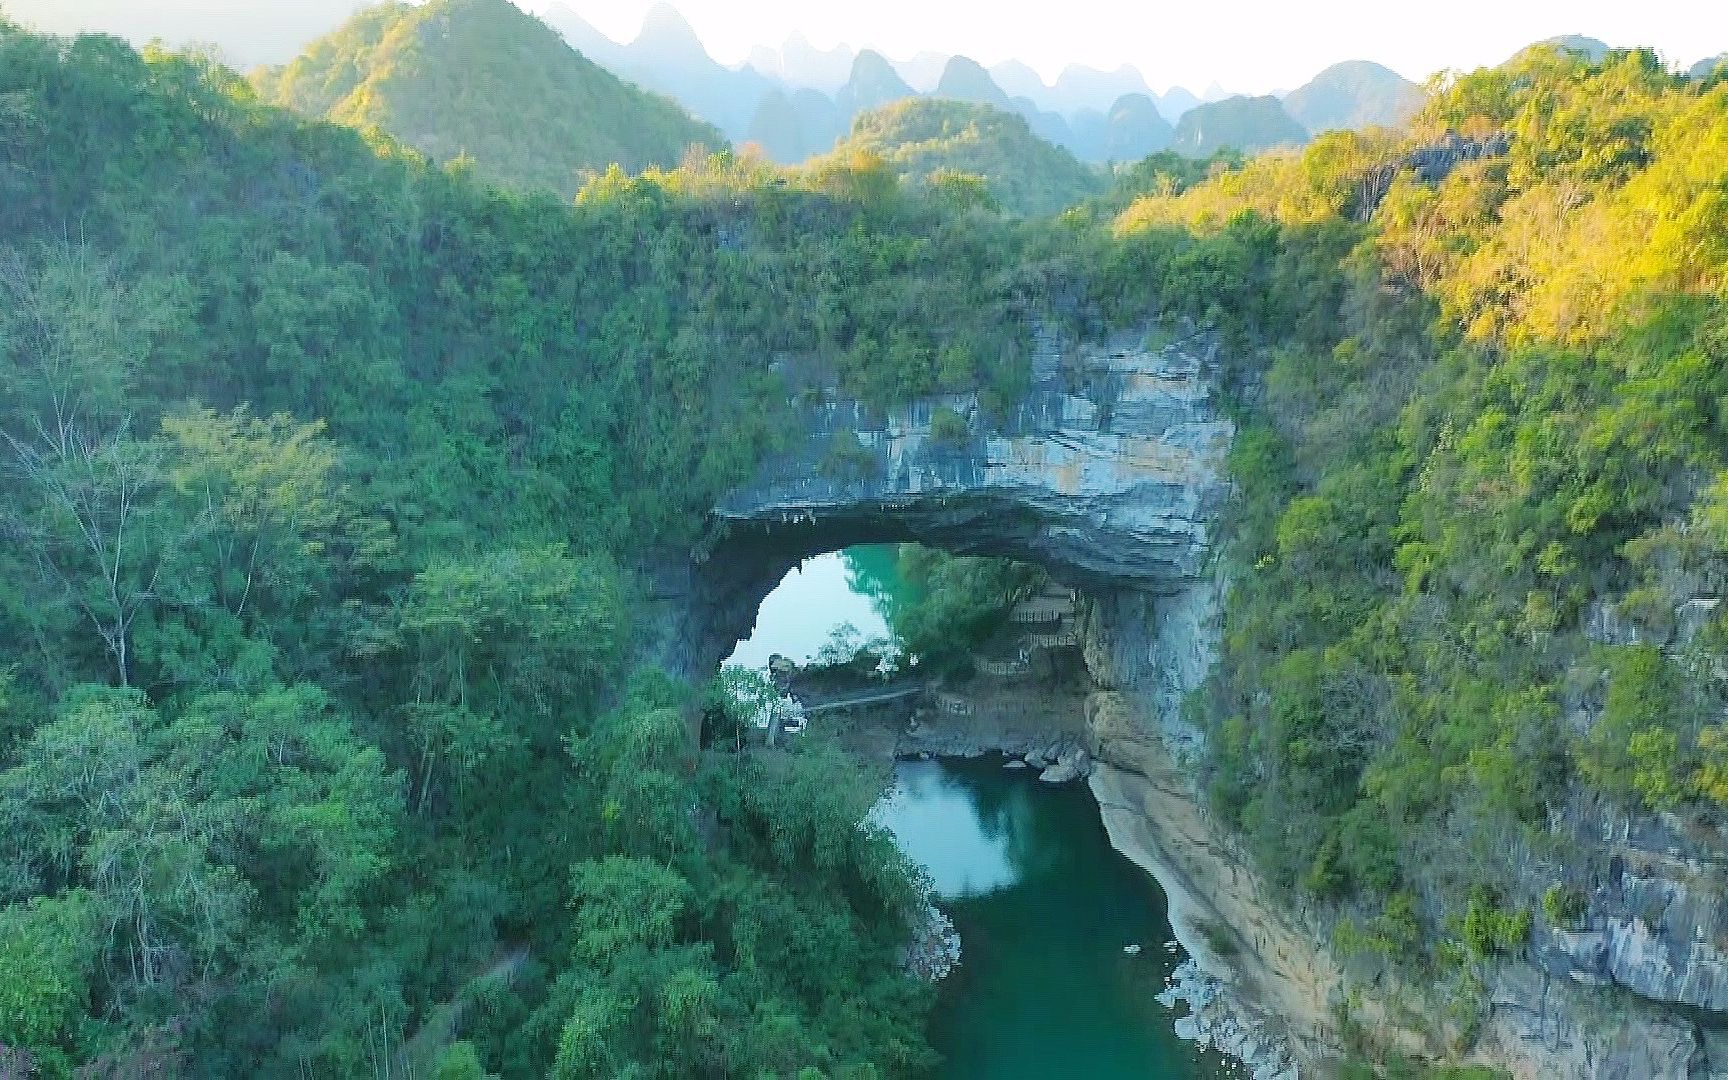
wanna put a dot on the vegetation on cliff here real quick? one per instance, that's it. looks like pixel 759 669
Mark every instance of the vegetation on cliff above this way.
pixel 1481 534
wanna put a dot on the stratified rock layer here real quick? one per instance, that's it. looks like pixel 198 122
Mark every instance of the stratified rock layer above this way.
pixel 1110 471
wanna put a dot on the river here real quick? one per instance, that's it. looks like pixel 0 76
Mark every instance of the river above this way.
pixel 1043 904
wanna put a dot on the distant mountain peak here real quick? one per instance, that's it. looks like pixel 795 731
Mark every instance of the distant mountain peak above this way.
pixel 874 82
pixel 1081 87
pixel 1352 95
pixel 1248 124
pixel 664 26
pixel 1018 79
pixel 964 79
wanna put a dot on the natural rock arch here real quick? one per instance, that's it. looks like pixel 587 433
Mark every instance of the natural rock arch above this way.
pixel 1109 473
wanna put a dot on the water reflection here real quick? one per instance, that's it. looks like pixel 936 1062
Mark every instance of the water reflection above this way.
pixel 805 609
pixel 970 849
pixel 1044 908
pixel 873 570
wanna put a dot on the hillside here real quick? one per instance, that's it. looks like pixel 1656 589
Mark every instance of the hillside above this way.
pixel 342 731
pixel 1477 564
pixel 478 78
pixel 1353 95
pixel 1248 124
pixel 923 137
pixel 1135 128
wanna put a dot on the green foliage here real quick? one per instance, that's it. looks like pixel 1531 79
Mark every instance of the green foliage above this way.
pixel 1564 906
pixel 953 603
pixel 1489 928
pixel 1475 428
pixel 944 144
pixel 47 951
pixel 1634 749
pixel 322 751
pixel 1401 1068
pixel 948 426
pixel 482 82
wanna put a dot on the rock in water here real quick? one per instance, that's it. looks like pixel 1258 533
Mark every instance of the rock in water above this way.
pixel 1058 773
pixel 1130 950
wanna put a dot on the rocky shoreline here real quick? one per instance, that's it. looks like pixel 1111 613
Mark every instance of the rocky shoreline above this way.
pixel 934 951
pixel 1220 1013
pixel 1215 1021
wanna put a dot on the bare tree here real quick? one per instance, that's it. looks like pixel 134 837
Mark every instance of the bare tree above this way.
pixel 72 336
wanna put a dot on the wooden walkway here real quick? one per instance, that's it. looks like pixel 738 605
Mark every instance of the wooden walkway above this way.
pixel 862 697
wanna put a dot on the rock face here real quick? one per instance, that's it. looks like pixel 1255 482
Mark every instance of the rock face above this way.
pixel 1111 470
pixel 1110 474
pixel 1657 921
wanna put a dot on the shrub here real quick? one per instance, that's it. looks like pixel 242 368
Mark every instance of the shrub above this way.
pixel 948 426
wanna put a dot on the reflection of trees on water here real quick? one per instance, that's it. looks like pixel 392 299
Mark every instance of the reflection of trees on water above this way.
pixel 873 570
pixel 1033 842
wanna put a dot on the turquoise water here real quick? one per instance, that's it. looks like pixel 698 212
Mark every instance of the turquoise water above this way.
pixel 1044 907
pixel 1042 902
pixel 830 594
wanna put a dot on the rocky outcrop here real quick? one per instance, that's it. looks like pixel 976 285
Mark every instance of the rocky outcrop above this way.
pixel 1656 894
pixel 1109 472
pixel 1110 475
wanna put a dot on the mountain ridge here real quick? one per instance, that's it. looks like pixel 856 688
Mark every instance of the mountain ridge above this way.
pixel 435 76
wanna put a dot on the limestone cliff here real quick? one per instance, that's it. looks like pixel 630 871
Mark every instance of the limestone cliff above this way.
pixel 1110 473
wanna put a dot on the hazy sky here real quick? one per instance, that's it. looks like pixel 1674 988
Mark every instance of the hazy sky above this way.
pixel 1248 46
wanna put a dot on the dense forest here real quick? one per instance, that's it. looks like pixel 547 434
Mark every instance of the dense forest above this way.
pixel 322 747
pixel 1483 474
pixel 327 474
pixel 483 80
pixel 955 144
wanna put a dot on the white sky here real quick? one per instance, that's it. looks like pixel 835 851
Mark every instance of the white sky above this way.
pixel 1249 46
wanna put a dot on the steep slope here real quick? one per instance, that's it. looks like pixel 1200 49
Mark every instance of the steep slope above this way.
pixel 789 126
pixel 921 137
pixel 964 79
pixel 1353 95
pixel 481 78
pixel 873 83
pixel 1248 124
pixel 1135 128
